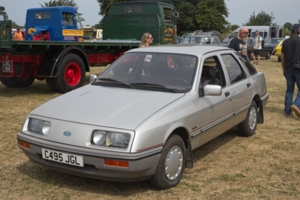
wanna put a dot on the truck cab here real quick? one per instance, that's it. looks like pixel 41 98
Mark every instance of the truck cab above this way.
pixel 129 20
pixel 59 23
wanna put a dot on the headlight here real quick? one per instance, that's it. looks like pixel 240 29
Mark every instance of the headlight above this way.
pixel 110 139
pixel 39 126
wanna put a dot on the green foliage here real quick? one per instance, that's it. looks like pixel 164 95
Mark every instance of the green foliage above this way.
pixel 210 15
pixel 53 3
pixel 288 26
pixel 261 19
pixel 285 31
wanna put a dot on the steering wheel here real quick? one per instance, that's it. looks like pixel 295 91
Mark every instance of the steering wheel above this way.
pixel 179 80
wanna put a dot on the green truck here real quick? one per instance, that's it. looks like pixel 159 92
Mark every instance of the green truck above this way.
pixel 63 62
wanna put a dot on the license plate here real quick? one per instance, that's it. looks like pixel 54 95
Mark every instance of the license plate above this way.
pixel 67 158
pixel 7 66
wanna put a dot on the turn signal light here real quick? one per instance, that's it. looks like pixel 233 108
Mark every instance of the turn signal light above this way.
pixel 116 163
pixel 24 144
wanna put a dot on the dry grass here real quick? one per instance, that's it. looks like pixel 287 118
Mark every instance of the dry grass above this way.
pixel 264 166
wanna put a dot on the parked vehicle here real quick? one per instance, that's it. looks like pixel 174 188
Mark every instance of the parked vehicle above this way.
pixel 278 50
pixel 265 52
pixel 53 50
pixel 146 113
pixel 201 39
pixel 273 43
pixel 266 32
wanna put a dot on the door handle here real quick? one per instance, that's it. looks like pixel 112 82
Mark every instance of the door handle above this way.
pixel 227 94
pixel 248 85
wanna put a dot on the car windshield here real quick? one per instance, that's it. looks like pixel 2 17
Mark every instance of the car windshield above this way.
pixel 151 71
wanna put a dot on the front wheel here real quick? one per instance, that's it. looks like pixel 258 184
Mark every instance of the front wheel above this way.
pixel 171 165
pixel 71 73
pixel 248 126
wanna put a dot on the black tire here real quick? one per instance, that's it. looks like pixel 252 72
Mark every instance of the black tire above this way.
pixel 71 73
pixel 279 59
pixel 21 82
pixel 248 126
pixel 4 82
pixel 268 56
pixel 171 165
pixel 51 84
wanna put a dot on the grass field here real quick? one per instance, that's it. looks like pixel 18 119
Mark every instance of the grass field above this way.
pixel 264 166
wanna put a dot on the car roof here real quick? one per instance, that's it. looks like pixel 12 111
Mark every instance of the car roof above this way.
pixel 189 49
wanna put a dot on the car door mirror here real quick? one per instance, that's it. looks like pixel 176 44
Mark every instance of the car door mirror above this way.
pixel 209 90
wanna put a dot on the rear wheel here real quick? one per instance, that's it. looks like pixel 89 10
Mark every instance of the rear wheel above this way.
pixel 171 165
pixel 71 73
pixel 268 56
pixel 4 82
pixel 20 82
pixel 248 126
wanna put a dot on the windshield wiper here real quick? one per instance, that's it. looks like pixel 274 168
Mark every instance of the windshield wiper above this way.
pixel 155 86
pixel 109 80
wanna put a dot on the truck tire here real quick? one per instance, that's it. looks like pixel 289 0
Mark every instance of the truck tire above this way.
pixel 71 73
pixel 51 84
pixel 20 82
pixel 248 126
pixel 171 165
pixel 4 82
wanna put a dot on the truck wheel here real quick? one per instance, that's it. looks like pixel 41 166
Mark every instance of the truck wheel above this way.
pixel 21 82
pixel 248 126
pixel 51 84
pixel 71 73
pixel 4 82
pixel 171 165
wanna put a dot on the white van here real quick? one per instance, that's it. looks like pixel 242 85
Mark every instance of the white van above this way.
pixel 265 32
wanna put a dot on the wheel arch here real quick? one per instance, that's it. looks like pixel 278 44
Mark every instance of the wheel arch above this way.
pixel 257 100
pixel 52 60
pixel 183 133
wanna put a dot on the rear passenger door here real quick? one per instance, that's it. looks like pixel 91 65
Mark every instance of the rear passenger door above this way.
pixel 241 88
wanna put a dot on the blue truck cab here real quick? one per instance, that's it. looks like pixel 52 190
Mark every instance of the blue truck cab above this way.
pixel 59 23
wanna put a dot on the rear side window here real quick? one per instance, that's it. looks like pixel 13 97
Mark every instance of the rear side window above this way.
pixel 234 70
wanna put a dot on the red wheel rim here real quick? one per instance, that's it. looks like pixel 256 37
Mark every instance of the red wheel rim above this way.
pixel 72 74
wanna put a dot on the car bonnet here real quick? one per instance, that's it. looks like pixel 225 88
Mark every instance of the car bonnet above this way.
pixel 106 106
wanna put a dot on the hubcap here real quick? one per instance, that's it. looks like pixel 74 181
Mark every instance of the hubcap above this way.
pixel 252 118
pixel 173 163
pixel 72 74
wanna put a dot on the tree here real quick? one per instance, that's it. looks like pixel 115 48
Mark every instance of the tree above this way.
pixel 53 3
pixel 261 19
pixel 210 15
pixel 288 26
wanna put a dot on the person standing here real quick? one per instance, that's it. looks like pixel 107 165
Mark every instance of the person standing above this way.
pixel 146 40
pixel 290 62
pixel 18 35
pixel 256 48
pixel 239 43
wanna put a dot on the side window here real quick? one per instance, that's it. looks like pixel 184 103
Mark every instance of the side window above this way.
pixel 212 72
pixel 234 70
pixel 68 19
pixel 168 15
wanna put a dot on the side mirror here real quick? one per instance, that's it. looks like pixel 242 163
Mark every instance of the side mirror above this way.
pixel 176 14
pixel 93 77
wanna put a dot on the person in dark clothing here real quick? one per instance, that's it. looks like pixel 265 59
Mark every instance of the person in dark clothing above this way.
pixel 239 43
pixel 290 62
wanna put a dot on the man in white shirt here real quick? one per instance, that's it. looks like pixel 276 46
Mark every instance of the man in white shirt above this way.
pixel 256 48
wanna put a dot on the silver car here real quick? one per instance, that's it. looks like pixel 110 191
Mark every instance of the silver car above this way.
pixel 145 114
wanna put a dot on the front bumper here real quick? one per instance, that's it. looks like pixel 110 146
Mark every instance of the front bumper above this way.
pixel 141 165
